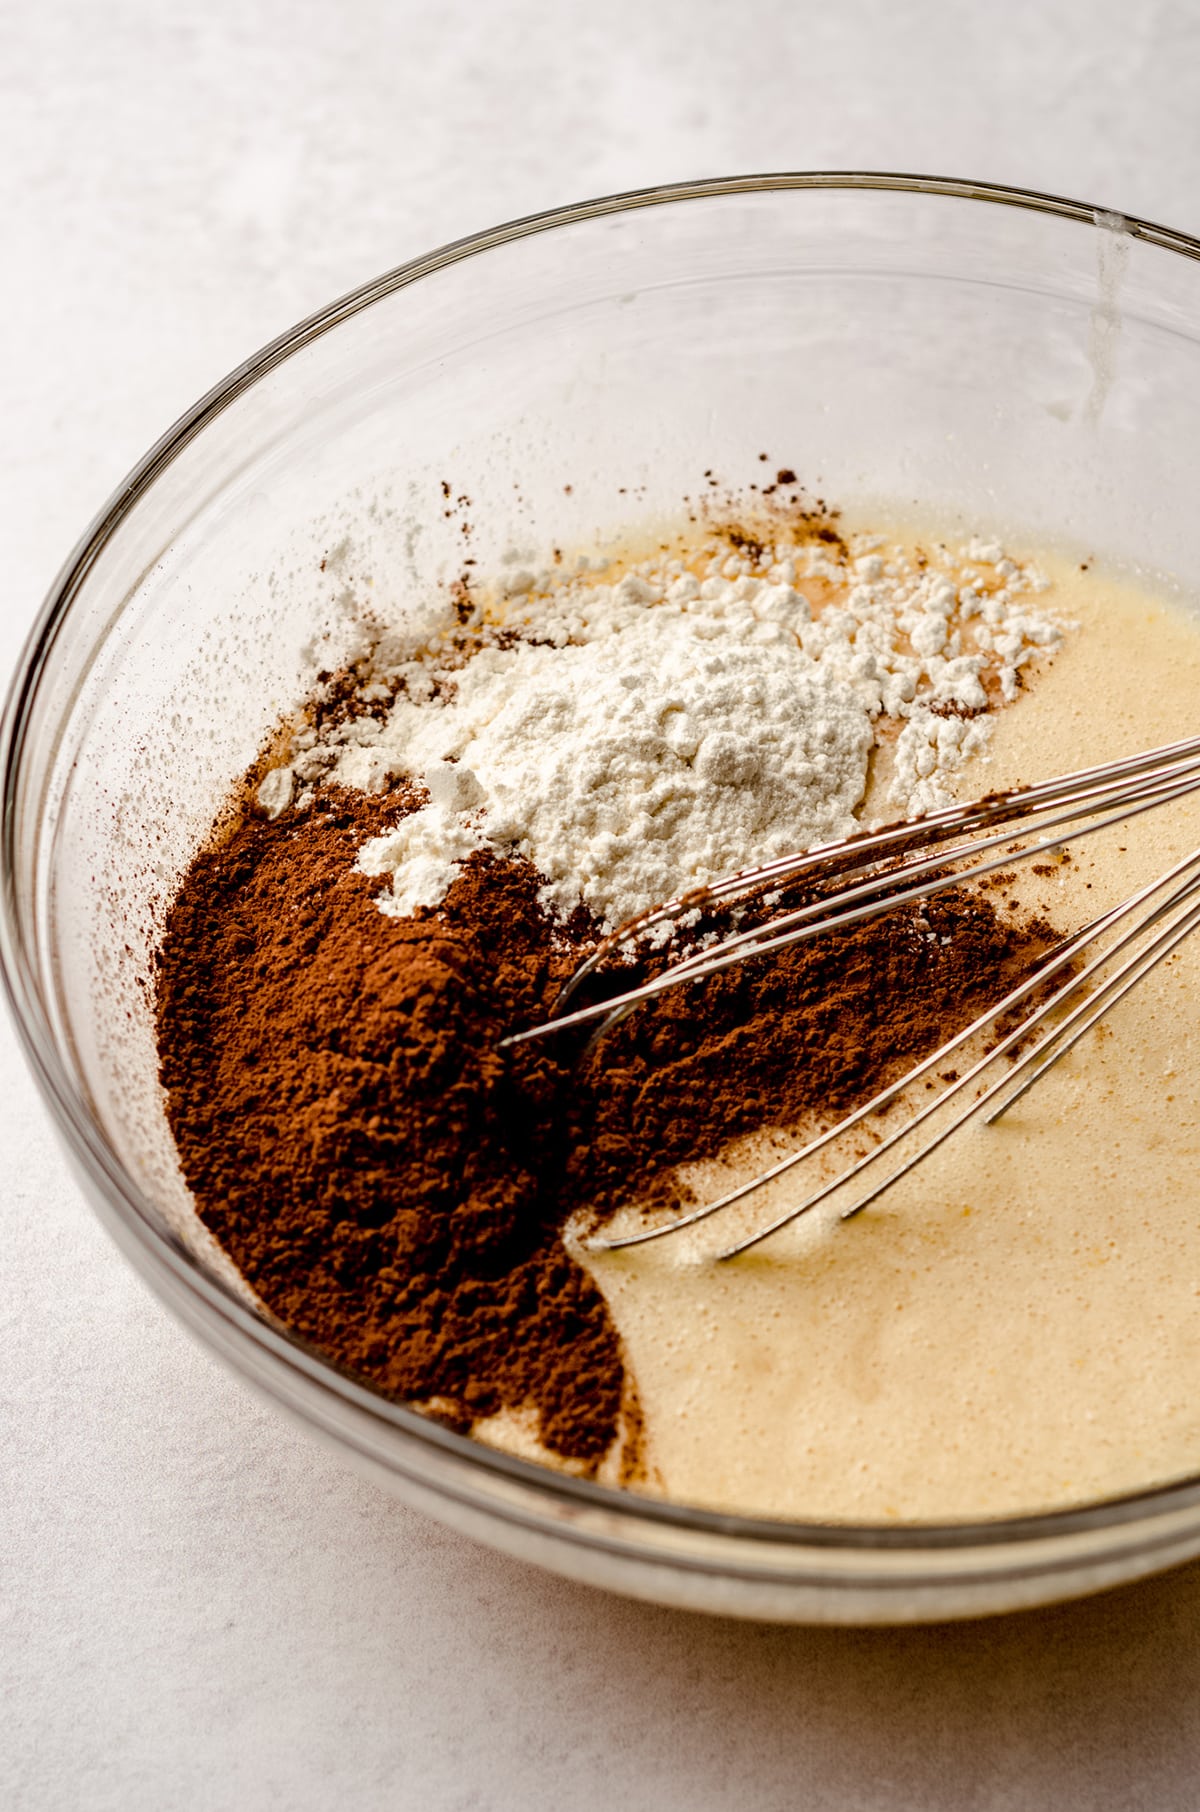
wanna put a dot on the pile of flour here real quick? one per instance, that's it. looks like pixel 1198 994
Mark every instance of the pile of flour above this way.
pixel 664 730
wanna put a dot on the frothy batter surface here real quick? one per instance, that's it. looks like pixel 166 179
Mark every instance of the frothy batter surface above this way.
pixel 1016 1326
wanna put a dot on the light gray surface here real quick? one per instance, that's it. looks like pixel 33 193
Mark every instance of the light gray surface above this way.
pixel 197 1607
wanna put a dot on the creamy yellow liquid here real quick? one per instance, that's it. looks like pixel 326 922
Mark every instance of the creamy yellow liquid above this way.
pixel 1016 1326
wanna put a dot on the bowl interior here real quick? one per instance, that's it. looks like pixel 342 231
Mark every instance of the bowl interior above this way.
pixel 989 364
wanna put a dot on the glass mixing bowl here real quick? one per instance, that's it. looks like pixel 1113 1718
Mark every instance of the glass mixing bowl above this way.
pixel 988 354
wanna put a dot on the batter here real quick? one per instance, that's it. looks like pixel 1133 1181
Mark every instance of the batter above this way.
pixel 1015 1326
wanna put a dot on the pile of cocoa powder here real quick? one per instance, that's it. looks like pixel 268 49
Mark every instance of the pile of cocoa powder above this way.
pixel 394 1186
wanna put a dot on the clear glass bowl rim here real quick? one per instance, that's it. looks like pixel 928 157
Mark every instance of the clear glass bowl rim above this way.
pixel 166 1264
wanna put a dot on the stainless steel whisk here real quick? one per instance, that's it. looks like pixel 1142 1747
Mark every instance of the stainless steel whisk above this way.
pixel 878 871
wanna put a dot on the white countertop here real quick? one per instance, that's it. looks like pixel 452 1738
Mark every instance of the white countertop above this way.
pixel 199 1608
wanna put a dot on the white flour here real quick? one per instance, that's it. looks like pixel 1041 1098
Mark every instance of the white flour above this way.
pixel 664 730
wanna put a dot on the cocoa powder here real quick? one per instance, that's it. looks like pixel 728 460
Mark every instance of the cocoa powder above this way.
pixel 394 1187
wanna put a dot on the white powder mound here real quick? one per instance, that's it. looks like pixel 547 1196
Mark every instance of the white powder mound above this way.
pixel 633 766
pixel 665 730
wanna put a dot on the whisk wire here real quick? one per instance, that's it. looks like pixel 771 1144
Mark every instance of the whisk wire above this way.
pixel 1083 1017
pixel 1065 954
pixel 818 919
pixel 874 845
pixel 1174 772
pixel 900 866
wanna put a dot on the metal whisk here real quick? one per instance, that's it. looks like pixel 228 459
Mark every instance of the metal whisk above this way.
pixel 878 871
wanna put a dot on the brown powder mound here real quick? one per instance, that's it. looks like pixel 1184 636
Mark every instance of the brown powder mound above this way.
pixel 394 1187
pixel 346 1123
